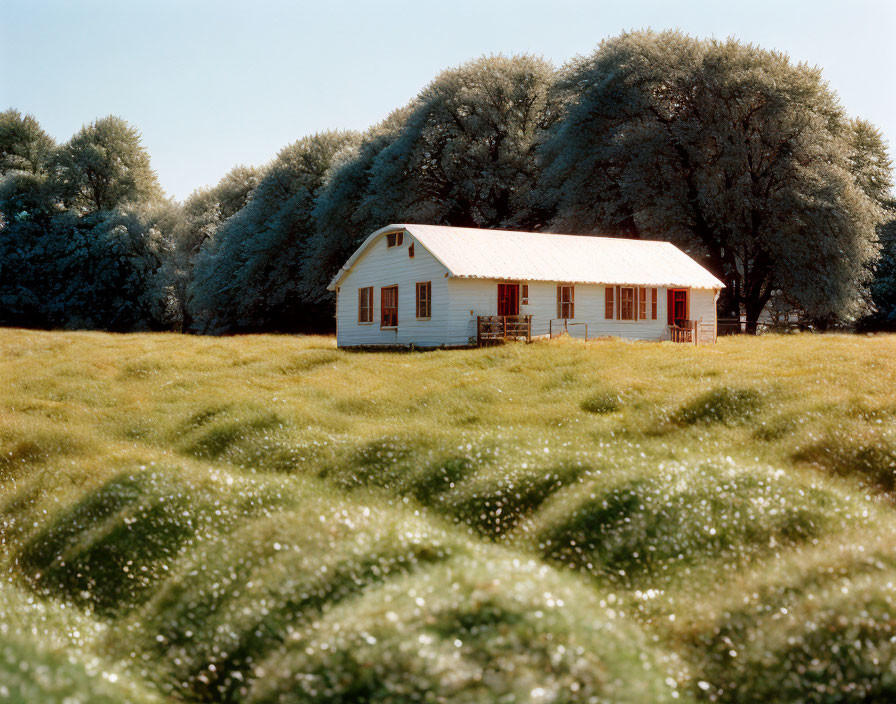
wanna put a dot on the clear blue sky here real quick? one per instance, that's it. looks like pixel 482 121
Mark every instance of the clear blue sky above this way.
pixel 214 84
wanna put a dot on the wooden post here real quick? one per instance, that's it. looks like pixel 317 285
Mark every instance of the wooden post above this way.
pixel 479 331
pixel 695 333
pixel 528 328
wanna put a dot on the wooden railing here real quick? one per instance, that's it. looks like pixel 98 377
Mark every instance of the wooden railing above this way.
pixel 684 333
pixel 492 329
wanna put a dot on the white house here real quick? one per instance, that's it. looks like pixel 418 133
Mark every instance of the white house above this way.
pixel 428 286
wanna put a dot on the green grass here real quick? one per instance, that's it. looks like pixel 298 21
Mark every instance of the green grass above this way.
pixel 270 519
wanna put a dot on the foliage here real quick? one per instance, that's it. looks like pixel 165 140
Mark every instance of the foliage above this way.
pixel 461 153
pixel 104 166
pixel 736 154
pixel 24 145
pixel 247 277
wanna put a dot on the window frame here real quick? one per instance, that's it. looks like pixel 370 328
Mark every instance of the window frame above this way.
pixel 568 305
pixel 427 299
pixel 368 307
pixel 642 303
pixel 609 302
pixel 383 308
pixel 524 294
pixel 653 303
pixel 622 303
pixel 394 239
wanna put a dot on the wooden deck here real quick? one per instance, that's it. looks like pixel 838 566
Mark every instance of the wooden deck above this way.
pixel 495 329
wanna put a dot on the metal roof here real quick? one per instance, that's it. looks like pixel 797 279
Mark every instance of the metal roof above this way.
pixel 468 252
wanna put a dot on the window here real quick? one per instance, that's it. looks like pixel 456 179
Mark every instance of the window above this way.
pixel 608 303
pixel 653 303
pixel 626 303
pixel 642 303
pixel 394 239
pixel 389 307
pixel 365 305
pixel 566 297
pixel 411 250
pixel 424 299
pixel 524 294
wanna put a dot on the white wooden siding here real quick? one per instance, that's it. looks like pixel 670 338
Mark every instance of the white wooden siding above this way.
pixel 456 303
pixel 389 266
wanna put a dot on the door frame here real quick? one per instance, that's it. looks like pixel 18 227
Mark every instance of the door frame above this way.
pixel 509 286
pixel 682 295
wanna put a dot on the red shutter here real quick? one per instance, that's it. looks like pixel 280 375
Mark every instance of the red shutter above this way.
pixel 653 303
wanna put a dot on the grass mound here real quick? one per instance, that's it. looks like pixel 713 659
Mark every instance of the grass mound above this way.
pixel 495 501
pixel 869 456
pixel 722 405
pixel 109 548
pixel 241 595
pixel 821 628
pixel 480 631
pixel 601 403
pixel 632 527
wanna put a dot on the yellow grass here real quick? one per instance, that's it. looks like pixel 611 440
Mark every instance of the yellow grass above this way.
pixel 688 492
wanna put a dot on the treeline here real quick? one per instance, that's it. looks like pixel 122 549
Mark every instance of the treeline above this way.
pixel 741 157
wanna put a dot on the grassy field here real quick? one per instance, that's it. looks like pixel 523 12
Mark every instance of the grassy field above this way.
pixel 268 519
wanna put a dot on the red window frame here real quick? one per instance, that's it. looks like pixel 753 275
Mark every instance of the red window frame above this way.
pixel 609 302
pixel 642 304
pixel 566 301
pixel 424 300
pixel 626 307
pixel 365 304
pixel 524 294
pixel 653 304
pixel 389 307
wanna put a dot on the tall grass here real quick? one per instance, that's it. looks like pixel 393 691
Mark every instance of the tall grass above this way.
pixel 270 519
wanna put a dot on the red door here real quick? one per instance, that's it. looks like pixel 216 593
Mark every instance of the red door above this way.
pixel 508 299
pixel 677 306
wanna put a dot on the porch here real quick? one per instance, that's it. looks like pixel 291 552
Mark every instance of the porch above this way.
pixel 495 329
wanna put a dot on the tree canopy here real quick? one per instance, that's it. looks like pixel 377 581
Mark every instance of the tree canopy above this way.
pixel 735 153
pixel 462 153
pixel 248 276
pixel 104 166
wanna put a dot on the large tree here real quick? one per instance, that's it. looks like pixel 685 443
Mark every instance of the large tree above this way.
pixel 24 145
pixel 105 165
pixel 248 276
pixel 81 266
pixel 462 153
pixel 735 153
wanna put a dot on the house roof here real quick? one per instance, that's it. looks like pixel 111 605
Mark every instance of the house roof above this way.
pixel 536 256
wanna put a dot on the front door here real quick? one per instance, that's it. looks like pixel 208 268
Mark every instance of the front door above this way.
pixel 508 299
pixel 678 306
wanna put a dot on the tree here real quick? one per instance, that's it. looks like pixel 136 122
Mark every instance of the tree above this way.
pixel 736 154
pixel 105 166
pixel 24 146
pixel 98 264
pixel 883 286
pixel 462 153
pixel 247 277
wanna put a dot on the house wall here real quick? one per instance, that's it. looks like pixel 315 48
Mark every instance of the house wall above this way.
pixel 383 266
pixel 456 303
